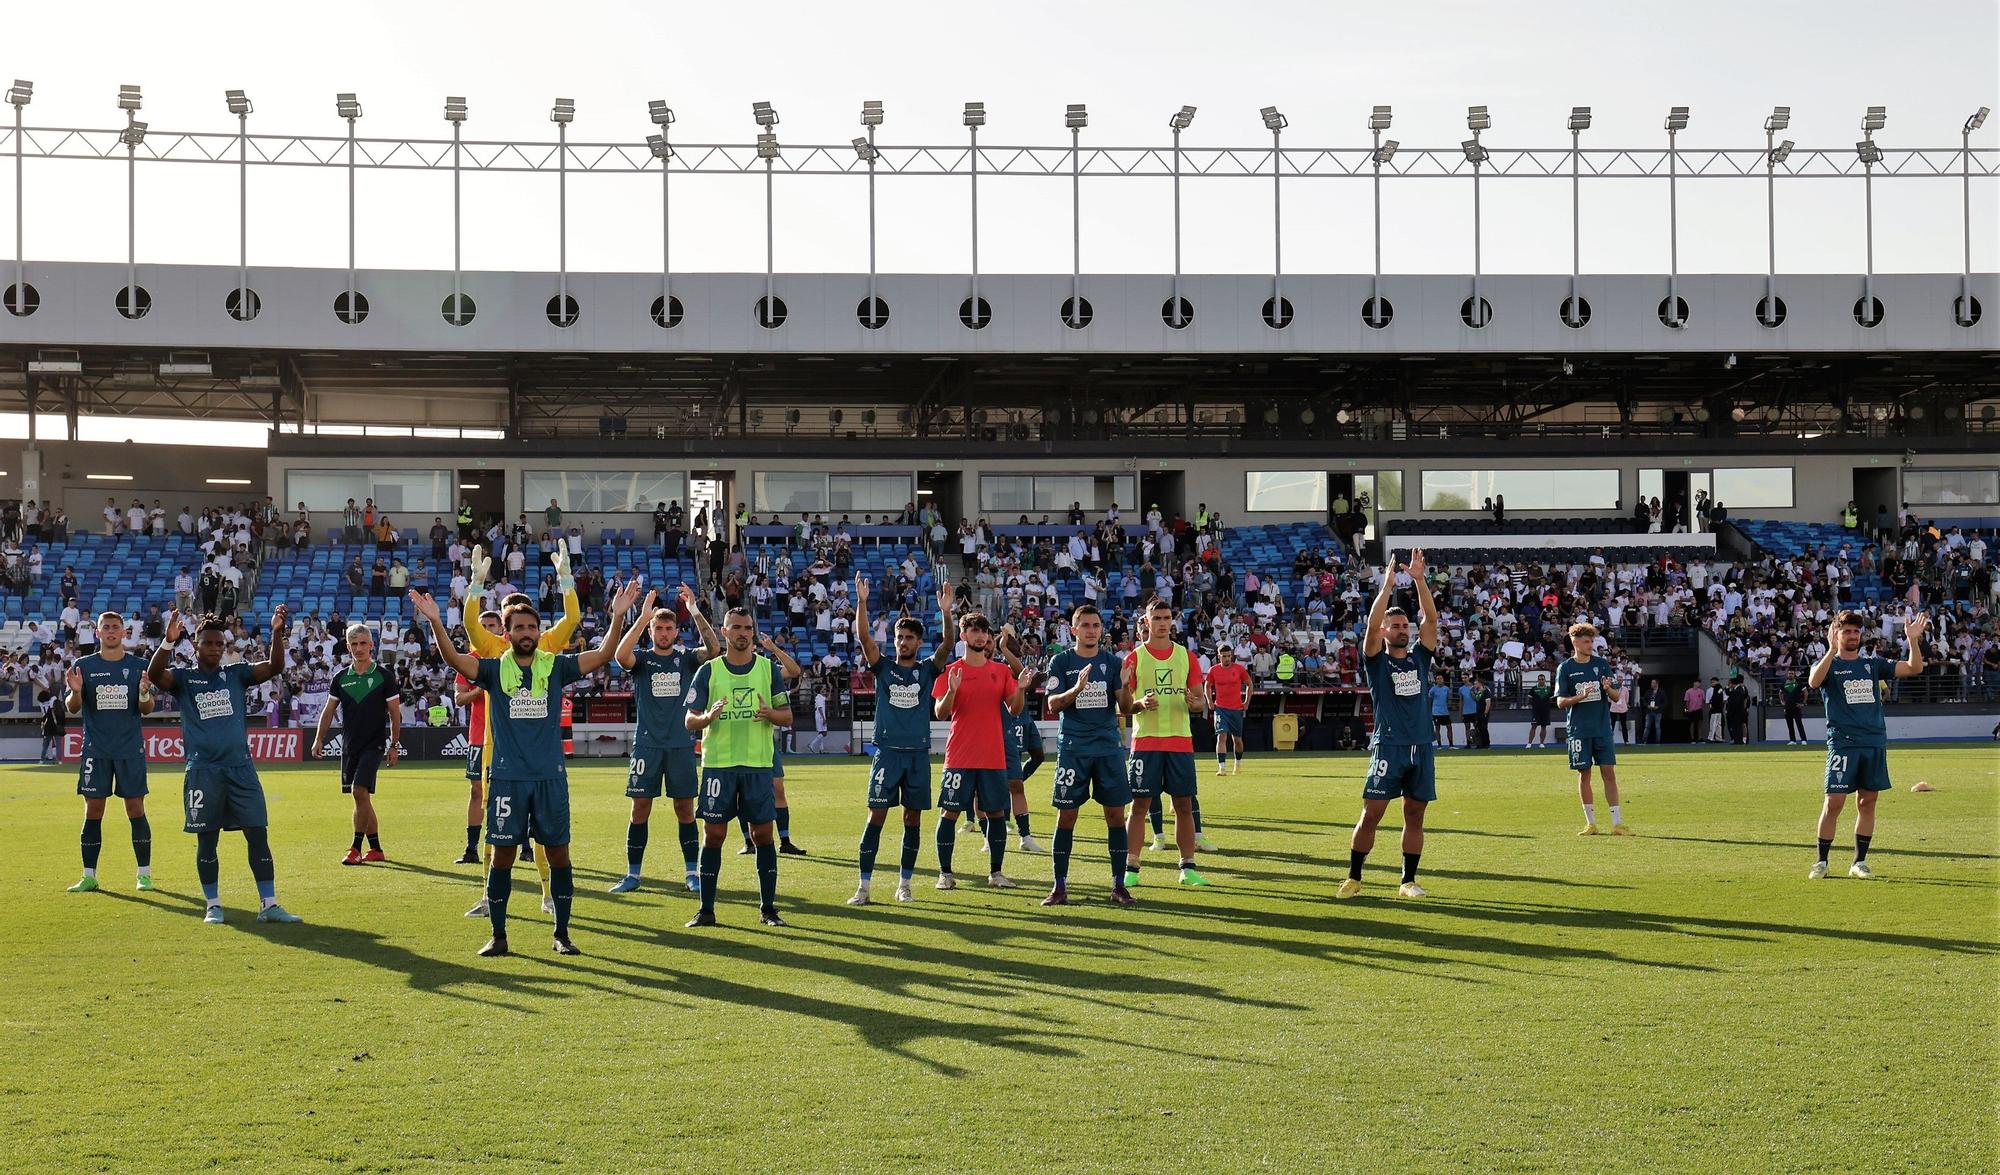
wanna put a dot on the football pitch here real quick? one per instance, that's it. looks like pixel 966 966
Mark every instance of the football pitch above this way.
pixel 1684 999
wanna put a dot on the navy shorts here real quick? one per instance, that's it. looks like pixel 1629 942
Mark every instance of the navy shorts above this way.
pixel 1229 722
pixel 358 766
pixel 223 798
pixel 1010 734
pixel 518 810
pixel 1585 750
pixel 1082 777
pixel 1409 772
pixel 1851 769
pixel 1160 773
pixel 671 770
pixel 900 779
pixel 98 777
pixel 729 792
pixel 965 788
pixel 473 760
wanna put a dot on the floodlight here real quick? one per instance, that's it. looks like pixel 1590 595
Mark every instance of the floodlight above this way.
pixel 564 111
pixel 133 134
pixel 1677 118
pixel 128 97
pixel 866 151
pixel 1273 121
pixel 21 93
pixel 1781 152
pixel 1868 151
pixel 239 102
pixel 1075 117
pixel 1379 119
pixel 347 106
pixel 1386 151
pixel 1474 153
pixel 871 113
pixel 658 145
pixel 661 113
pixel 1873 120
pixel 1781 118
pixel 975 114
pixel 1183 120
pixel 1978 119
pixel 767 146
pixel 1477 119
pixel 764 114
pixel 455 110
pixel 1579 118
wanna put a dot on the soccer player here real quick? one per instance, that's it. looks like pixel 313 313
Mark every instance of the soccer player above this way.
pixel 975 695
pixel 736 703
pixel 528 794
pixel 110 690
pixel 1857 738
pixel 1162 762
pixel 901 773
pixel 1585 689
pixel 483 640
pixel 221 790
pixel 464 693
pixel 662 749
pixel 1229 688
pixel 1400 759
pixel 1017 730
pixel 1087 693
pixel 369 710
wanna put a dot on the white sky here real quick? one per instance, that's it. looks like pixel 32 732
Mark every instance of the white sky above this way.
pixel 1323 63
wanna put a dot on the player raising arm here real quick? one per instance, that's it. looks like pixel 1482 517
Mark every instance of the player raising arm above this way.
pixel 1400 761
pixel 662 747
pixel 737 703
pixel 221 789
pixel 529 796
pixel 901 772
pixel 1857 736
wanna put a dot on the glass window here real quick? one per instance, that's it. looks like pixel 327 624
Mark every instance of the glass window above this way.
pixel 1388 489
pixel 1652 484
pixel 1948 487
pixel 394 490
pixel 791 493
pixel 1296 491
pixel 1762 487
pixel 870 493
pixel 1524 489
pixel 1051 493
pixel 601 491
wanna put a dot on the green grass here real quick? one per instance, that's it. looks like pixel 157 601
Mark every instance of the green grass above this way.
pixel 1681 1000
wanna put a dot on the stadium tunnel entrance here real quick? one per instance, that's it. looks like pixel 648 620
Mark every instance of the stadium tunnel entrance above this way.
pixel 486 491
pixel 941 488
pixel 1165 488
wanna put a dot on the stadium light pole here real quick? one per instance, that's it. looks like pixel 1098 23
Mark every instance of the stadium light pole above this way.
pixel 1579 122
pixel 1775 153
pixel 663 117
pixel 1963 311
pixel 871 117
pixel 1378 121
pixel 239 105
pixel 1677 120
pixel 562 114
pixel 1178 122
pixel 1076 118
pixel 349 108
pixel 1476 120
pixel 19 95
pixel 975 117
pixel 455 111
pixel 767 150
pixel 133 135
pixel 1870 155
pixel 1276 123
